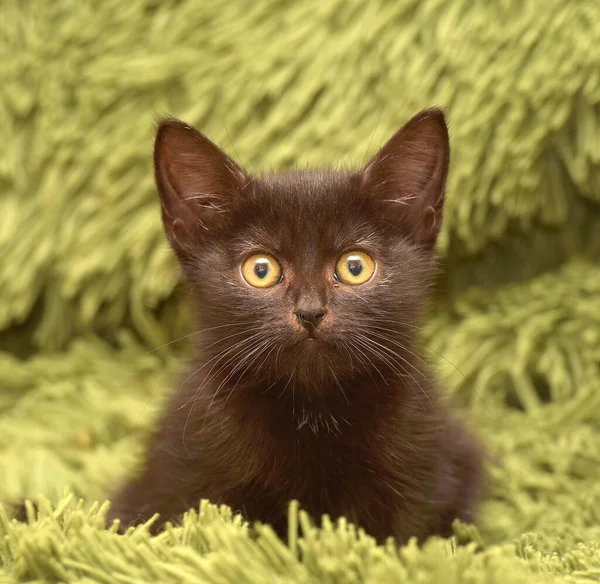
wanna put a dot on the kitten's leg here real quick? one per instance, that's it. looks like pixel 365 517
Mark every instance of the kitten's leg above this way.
pixel 464 478
pixel 164 486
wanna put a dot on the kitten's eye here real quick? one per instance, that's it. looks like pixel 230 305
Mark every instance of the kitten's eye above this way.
pixel 261 271
pixel 355 267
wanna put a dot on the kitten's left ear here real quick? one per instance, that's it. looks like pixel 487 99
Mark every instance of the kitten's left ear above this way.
pixel 408 176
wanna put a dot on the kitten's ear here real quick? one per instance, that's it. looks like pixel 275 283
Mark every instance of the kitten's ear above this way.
pixel 408 175
pixel 196 181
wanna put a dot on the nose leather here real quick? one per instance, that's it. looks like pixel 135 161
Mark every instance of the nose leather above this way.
pixel 310 317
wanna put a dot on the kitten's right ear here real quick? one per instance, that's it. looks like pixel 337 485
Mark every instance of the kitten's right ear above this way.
pixel 196 181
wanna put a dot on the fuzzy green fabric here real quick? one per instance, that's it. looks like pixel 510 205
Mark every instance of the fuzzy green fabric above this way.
pixel 90 293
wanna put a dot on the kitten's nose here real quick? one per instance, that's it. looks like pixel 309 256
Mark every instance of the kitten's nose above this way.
pixel 310 318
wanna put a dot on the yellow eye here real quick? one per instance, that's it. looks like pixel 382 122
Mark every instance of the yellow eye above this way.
pixel 261 271
pixel 355 267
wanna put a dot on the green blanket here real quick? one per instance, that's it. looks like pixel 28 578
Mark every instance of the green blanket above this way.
pixel 90 295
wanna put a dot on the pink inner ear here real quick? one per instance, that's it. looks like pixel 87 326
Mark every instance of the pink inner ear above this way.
pixel 430 222
pixel 178 230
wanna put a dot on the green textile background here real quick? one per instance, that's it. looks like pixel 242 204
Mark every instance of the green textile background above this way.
pixel 89 289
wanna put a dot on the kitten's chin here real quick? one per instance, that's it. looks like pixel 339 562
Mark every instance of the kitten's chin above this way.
pixel 317 357
pixel 311 344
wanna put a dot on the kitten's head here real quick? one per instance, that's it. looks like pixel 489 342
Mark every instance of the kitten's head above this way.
pixel 308 276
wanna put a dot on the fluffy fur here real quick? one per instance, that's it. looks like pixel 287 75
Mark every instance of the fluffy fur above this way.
pixel 341 415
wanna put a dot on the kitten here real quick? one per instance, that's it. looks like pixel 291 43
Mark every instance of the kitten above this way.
pixel 306 385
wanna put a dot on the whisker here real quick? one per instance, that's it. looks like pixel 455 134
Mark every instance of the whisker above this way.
pixel 395 355
pixel 274 346
pixel 222 339
pixel 231 351
pixel 258 352
pixel 372 332
pixel 233 355
pixel 219 355
pixel 372 365
pixel 233 348
pixel 406 349
pixel 189 336
pixel 408 337
pixel 249 351
pixel 337 381
pixel 338 345
pixel 367 344
pixel 286 386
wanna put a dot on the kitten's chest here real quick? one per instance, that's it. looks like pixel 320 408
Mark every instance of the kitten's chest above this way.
pixel 318 463
pixel 269 457
pixel 310 450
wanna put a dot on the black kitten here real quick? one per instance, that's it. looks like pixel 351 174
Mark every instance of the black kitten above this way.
pixel 308 288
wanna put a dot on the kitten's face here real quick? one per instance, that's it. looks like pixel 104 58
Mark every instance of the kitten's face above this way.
pixel 309 276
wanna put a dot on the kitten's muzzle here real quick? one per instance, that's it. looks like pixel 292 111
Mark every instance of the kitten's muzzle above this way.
pixel 310 318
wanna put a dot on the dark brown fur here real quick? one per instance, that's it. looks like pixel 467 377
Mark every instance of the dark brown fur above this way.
pixel 349 423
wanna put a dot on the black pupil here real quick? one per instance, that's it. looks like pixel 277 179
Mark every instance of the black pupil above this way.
pixel 261 269
pixel 355 266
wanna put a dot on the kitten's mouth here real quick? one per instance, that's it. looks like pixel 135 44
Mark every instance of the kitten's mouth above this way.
pixel 313 334
pixel 310 339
